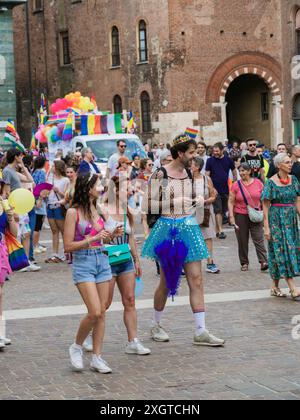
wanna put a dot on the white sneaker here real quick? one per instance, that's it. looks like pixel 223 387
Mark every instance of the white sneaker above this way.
pixel 88 344
pixel 42 248
pixel 75 353
pixel 136 347
pixel 30 269
pixel 99 365
pixel 208 340
pixel 2 343
pixel 38 250
pixel 159 334
pixel 7 341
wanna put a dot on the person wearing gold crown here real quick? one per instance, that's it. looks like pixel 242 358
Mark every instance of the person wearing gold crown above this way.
pixel 176 241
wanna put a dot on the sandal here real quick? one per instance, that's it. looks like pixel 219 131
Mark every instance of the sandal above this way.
pixel 245 267
pixel 276 292
pixel 53 260
pixel 295 295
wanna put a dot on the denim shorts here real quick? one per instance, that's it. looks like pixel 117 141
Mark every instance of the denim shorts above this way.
pixel 124 268
pixel 55 214
pixel 91 266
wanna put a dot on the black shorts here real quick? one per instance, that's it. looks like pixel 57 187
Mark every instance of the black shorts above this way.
pixel 221 204
pixel 39 222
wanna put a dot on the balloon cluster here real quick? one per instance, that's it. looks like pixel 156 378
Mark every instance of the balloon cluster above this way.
pixel 51 133
pixel 73 100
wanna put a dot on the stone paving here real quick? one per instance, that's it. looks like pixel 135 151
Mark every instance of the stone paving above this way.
pixel 260 360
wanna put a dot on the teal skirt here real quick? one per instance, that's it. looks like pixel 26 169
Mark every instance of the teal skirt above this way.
pixel 184 230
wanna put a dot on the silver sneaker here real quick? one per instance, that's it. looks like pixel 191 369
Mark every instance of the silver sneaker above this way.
pixel 136 347
pixel 2 343
pixel 159 334
pixel 88 344
pixel 208 340
pixel 99 365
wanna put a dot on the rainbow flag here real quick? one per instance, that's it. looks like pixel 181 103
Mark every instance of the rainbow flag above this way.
pixel 68 130
pixel 13 137
pixel 33 141
pixel 191 133
pixel 101 124
pixel 130 124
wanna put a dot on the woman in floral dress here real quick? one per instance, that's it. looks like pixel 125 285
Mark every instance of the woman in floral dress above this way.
pixel 281 199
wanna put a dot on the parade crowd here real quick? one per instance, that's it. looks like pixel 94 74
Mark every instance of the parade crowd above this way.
pixel 183 194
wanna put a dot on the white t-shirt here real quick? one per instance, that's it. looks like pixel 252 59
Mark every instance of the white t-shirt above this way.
pixel 62 184
pixel 113 164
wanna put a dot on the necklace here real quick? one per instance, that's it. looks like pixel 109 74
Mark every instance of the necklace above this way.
pixel 283 181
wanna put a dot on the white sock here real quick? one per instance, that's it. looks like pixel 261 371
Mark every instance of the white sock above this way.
pixel 157 316
pixel 200 322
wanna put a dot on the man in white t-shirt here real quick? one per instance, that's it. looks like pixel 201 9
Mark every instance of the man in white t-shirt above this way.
pixel 113 163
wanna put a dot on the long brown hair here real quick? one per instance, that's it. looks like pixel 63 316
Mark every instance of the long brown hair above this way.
pixel 60 168
pixel 81 200
pixel 113 194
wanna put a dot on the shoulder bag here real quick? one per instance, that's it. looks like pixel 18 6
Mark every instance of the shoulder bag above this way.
pixel 255 215
pixel 119 254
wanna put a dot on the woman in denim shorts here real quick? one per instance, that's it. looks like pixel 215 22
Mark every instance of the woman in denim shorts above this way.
pixel 84 237
pixel 124 274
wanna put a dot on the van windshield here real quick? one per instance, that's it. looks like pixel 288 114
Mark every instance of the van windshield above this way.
pixel 103 149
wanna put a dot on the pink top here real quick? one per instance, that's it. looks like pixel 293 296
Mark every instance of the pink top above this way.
pixel 85 228
pixel 253 193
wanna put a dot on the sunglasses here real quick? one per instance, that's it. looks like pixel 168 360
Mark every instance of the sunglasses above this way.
pixel 150 164
pixel 253 145
pixel 123 147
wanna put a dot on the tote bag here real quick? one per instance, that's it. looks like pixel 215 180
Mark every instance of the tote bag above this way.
pixel 16 254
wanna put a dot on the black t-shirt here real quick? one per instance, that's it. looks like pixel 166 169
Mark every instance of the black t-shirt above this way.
pixel 256 163
pixel 296 170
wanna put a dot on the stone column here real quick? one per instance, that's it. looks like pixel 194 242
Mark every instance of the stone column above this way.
pixel 277 130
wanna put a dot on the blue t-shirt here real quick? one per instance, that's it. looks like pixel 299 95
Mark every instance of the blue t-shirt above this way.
pixel 39 177
pixel 219 172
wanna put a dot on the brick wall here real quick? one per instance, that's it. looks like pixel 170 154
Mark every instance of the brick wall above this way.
pixel 188 41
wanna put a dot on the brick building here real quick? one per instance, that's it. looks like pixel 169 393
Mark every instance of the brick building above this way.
pixel 7 67
pixel 223 66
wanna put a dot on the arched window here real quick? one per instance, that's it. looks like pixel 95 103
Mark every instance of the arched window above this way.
pixel 118 106
pixel 115 47
pixel 146 112
pixel 143 47
pixel 298 31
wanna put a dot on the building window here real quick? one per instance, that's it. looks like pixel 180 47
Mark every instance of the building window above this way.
pixel 65 49
pixel 298 31
pixel 146 112
pixel 118 106
pixel 115 47
pixel 38 6
pixel 265 106
pixel 2 70
pixel 143 47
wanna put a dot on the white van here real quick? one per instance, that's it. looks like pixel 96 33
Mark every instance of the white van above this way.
pixel 105 145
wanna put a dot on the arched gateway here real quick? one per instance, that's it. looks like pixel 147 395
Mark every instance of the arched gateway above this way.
pixel 252 77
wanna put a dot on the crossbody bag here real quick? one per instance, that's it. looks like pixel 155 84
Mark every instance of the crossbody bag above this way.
pixel 255 215
pixel 119 254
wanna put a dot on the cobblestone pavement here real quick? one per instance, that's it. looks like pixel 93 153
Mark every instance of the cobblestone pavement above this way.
pixel 260 360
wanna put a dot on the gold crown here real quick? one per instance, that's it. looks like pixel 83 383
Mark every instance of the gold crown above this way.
pixel 181 139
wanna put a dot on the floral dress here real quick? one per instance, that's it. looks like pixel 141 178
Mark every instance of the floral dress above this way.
pixel 284 246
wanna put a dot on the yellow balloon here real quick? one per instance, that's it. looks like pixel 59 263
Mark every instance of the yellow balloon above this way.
pixel 22 201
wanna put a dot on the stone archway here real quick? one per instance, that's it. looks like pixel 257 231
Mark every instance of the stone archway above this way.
pixel 258 64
